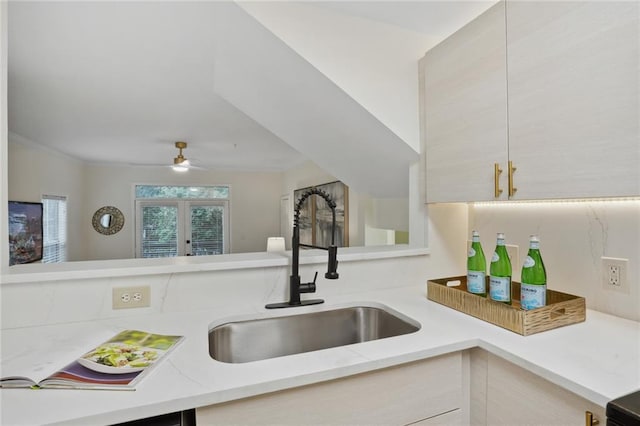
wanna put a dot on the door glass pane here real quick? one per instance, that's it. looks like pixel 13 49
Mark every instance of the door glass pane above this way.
pixel 207 230
pixel 159 231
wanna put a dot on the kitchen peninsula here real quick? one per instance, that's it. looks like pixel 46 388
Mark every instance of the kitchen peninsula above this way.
pixel 595 360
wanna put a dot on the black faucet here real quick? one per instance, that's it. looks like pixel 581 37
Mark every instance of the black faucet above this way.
pixel 295 287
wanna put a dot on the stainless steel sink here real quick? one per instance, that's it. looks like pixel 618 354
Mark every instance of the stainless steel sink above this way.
pixel 270 337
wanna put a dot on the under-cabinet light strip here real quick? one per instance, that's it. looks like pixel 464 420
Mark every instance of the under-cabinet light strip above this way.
pixel 631 201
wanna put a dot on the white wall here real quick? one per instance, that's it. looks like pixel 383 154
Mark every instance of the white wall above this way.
pixel 255 197
pixel 4 222
pixel 573 238
pixel 56 302
pixel 389 213
pixel 255 203
pixel 375 63
pixel 310 174
pixel 364 211
pixel 34 172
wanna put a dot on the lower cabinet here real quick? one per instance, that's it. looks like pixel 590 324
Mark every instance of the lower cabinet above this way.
pixel 426 392
pixel 472 387
pixel 505 394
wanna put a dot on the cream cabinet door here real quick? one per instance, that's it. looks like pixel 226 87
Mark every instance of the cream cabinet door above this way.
pixel 465 111
pixel 452 418
pixel 398 395
pixel 517 397
pixel 573 84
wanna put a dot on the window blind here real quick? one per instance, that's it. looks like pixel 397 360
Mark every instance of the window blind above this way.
pixel 55 228
pixel 159 231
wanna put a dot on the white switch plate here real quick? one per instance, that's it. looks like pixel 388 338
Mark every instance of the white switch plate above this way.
pixel 614 274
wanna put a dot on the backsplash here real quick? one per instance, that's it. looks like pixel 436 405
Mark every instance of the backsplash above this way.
pixel 573 238
pixel 43 303
pixel 574 235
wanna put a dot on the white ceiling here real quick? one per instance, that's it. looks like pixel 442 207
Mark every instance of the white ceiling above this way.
pixel 430 17
pixel 120 82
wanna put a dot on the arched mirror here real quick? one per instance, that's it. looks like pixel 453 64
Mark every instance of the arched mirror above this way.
pixel 108 220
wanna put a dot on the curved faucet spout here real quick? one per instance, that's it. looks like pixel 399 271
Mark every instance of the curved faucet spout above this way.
pixel 295 287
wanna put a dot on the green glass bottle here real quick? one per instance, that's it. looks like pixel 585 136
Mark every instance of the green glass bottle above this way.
pixel 476 267
pixel 500 273
pixel 533 290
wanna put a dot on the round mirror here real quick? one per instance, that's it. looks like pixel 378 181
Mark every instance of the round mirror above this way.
pixel 105 220
pixel 108 220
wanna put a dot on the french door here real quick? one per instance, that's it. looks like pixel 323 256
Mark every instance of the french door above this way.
pixel 166 228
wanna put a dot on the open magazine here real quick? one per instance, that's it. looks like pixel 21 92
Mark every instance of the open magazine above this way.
pixel 119 364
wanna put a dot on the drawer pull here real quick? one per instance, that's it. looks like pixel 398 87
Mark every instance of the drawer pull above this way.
pixel 590 420
pixel 496 180
pixel 512 188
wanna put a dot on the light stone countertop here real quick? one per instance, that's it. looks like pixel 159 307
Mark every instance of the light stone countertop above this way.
pixel 598 359
pixel 65 271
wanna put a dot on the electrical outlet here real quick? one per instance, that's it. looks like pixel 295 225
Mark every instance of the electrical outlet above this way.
pixel 614 274
pixel 131 297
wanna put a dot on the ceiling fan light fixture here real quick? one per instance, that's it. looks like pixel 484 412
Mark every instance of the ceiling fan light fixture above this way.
pixel 180 163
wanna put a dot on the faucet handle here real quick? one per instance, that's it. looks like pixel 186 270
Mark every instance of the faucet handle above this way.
pixel 309 287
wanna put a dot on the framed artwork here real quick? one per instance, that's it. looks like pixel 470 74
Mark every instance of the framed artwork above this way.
pixel 315 215
pixel 25 232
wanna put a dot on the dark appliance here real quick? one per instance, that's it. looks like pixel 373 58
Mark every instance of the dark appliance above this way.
pixel 624 411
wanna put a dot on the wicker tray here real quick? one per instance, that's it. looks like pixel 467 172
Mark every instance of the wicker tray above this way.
pixel 562 308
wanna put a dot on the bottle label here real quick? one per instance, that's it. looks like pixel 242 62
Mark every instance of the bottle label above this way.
pixel 533 296
pixel 476 282
pixel 528 262
pixel 495 257
pixel 471 253
pixel 500 289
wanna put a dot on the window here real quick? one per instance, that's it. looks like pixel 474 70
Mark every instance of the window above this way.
pixel 181 221
pixel 182 192
pixel 55 228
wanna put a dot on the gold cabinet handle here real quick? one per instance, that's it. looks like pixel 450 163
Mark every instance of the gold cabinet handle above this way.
pixel 589 420
pixel 512 189
pixel 496 180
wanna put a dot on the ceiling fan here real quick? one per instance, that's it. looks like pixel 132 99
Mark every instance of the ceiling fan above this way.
pixel 180 163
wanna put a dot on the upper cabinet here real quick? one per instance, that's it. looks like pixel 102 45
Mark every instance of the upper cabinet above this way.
pixel 566 114
pixel 573 98
pixel 465 110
